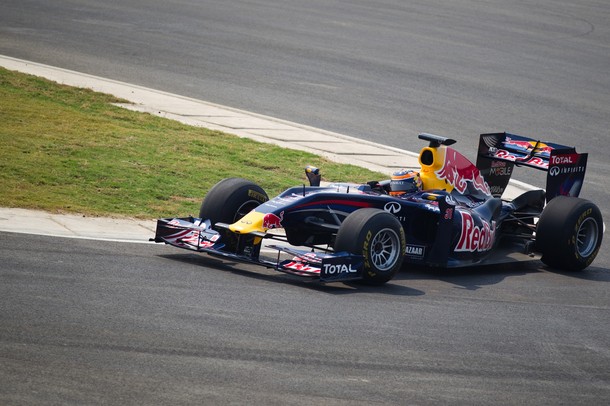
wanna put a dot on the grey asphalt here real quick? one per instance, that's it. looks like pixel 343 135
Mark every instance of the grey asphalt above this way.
pixel 105 323
pixel 337 147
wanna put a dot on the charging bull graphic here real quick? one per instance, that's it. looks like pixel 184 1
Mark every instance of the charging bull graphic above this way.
pixel 458 171
pixel 272 221
pixel 527 146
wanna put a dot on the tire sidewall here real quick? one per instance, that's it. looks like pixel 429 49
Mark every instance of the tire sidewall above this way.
pixel 228 201
pixel 590 213
pixel 557 232
pixel 357 234
pixel 227 197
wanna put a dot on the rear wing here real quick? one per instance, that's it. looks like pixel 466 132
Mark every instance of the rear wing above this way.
pixel 500 152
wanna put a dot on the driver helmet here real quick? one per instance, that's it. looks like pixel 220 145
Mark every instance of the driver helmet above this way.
pixel 404 181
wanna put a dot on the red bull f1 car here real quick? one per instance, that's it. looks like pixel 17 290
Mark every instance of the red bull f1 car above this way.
pixel 454 216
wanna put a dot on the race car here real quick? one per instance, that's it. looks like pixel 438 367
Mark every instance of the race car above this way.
pixel 448 214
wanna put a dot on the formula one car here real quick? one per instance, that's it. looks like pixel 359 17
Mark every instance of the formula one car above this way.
pixel 449 214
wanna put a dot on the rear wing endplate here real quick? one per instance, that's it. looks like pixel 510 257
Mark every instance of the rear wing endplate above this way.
pixel 499 153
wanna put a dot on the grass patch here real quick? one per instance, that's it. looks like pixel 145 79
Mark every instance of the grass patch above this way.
pixel 65 149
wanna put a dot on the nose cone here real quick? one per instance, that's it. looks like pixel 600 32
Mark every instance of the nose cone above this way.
pixel 251 222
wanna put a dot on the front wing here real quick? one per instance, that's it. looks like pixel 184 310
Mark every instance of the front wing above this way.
pixel 198 235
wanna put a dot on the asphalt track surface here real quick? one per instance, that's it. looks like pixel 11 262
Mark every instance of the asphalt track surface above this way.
pixel 93 322
pixel 89 322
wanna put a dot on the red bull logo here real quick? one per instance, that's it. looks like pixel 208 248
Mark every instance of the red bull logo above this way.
pixel 535 161
pixel 301 268
pixel 538 147
pixel 272 221
pixel 458 171
pixel 474 238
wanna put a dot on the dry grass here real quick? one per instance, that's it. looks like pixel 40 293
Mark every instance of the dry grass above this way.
pixel 65 149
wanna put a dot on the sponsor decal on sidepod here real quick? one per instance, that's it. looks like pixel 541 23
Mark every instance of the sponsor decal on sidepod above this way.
pixel 415 251
pixel 474 238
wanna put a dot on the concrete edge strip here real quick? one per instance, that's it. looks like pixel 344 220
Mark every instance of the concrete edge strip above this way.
pixel 83 237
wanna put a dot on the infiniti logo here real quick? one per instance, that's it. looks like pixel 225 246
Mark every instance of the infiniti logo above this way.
pixel 392 207
pixel 554 171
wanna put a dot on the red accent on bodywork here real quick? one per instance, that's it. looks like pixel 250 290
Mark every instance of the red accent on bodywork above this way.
pixel 334 201
pixel 458 171
pixel 474 238
pixel 272 221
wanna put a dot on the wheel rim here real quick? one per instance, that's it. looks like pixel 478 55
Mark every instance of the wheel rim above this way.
pixel 586 237
pixel 245 208
pixel 385 249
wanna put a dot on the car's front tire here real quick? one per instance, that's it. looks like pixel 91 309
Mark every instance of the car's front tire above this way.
pixel 228 201
pixel 379 237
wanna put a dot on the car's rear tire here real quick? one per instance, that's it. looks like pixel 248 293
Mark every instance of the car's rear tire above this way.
pixel 379 237
pixel 228 201
pixel 569 233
